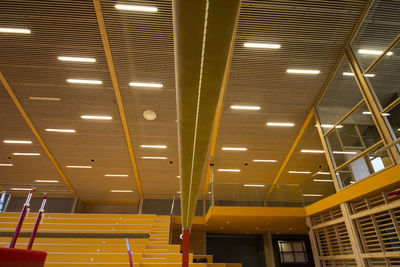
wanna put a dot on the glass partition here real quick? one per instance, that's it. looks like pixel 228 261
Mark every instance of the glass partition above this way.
pixel 378 30
pixel 340 97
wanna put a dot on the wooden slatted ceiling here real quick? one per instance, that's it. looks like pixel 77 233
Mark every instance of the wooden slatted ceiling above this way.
pixel 311 36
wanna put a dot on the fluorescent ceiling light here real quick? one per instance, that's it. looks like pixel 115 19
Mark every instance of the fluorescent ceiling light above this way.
pixel 228 170
pixel 178 192
pixel 91 117
pixel 46 181
pixel 312 195
pixel 6 164
pixel 284 124
pixel 235 148
pixel 246 107
pixel 116 175
pixel 299 172
pixel 20 189
pixel 312 151
pixel 324 173
pixel 265 160
pixel 322 180
pixel 14 30
pixel 352 74
pixel 369 113
pixel 373 52
pixel 153 146
pixel 79 167
pixel 178 176
pixel 78 59
pixel 154 157
pixel 121 191
pixel 17 142
pixel 84 81
pixel 385 114
pixel 254 185
pixel 26 154
pixel 345 152
pixel 60 130
pixel 44 98
pixel 153 85
pixel 262 45
pixel 330 126
pixel 136 8
pixel 303 71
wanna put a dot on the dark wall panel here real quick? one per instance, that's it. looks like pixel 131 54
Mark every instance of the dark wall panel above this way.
pixel 53 205
pixel 276 238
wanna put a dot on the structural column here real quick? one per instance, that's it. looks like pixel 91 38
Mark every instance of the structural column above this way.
pixel 268 249
pixel 313 242
pixel 352 232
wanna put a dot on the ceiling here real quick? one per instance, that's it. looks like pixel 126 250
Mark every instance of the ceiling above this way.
pixel 311 34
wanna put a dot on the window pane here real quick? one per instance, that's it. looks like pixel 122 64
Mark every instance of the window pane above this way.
pixel 341 96
pixel 298 246
pixel 288 257
pixel 363 167
pixel 285 246
pixel 300 257
pixel 394 120
pixel 377 31
pixel 384 78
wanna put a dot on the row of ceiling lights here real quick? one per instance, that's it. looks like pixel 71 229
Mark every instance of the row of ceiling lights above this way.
pixel 93 117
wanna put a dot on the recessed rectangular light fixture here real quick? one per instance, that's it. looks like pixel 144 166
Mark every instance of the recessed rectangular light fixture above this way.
pixel 44 98
pixel 26 154
pixel 153 146
pixel 91 117
pixel 17 142
pixel 79 167
pixel 77 59
pixel 330 126
pixel 262 45
pixel 282 124
pixel 121 191
pixel 234 148
pixel 345 152
pixel 297 71
pixel 154 157
pixel 178 192
pixel 370 75
pixel 253 185
pixel 322 180
pixel 265 160
pixel 116 175
pixel 84 81
pixel 246 107
pixel 369 113
pixel 373 52
pixel 178 176
pixel 46 181
pixel 299 172
pixel 14 30
pixel 6 164
pixel 324 173
pixel 312 195
pixel 60 130
pixel 136 8
pixel 312 151
pixel 228 170
pixel 20 189
pixel 153 85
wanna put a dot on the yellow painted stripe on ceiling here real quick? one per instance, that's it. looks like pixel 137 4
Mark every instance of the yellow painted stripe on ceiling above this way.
pixel 290 153
pixel 34 131
pixel 114 80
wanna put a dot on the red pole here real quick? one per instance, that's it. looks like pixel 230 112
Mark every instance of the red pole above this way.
pixel 38 220
pixel 185 247
pixel 24 211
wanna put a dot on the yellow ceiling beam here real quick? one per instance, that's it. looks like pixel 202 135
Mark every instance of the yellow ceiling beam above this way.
pixel 35 131
pixel 290 153
pixel 114 80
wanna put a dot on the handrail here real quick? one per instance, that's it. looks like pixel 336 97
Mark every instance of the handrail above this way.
pixel 78 235
pixel 379 151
